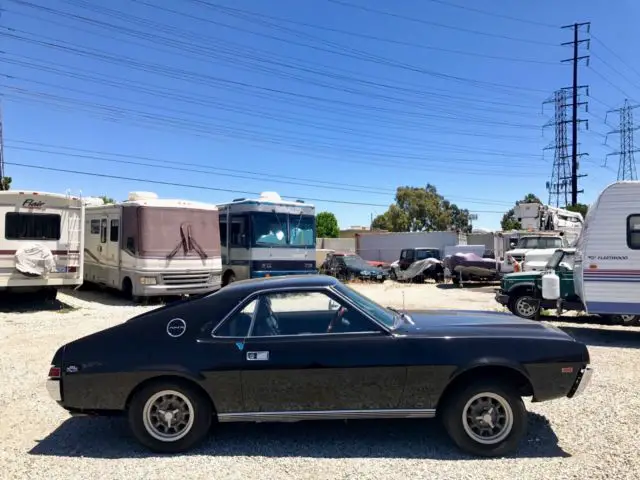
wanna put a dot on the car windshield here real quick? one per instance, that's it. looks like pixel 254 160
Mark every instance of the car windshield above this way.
pixel 383 315
pixel 355 261
pixel 540 242
pixel 302 230
pixel 561 258
pixel 424 254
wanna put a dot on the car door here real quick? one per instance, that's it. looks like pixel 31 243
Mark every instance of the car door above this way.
pixel 300 367
pixel 406 259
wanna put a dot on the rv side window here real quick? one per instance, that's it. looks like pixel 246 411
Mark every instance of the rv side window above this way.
pixel 633 231
pixel 95 227
pixel 238 234
pixel 31 226
pixel 113 233
pixel 103 230
pixel 223 232
pixel 131 245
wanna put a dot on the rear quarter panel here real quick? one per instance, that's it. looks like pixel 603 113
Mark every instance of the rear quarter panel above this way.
pixel 110 364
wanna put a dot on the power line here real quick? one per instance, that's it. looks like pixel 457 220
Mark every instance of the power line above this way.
pixel 492 14
pixel 217 171
pixel 203 187
pixel 346 51
pixel 435 24
pixel 349 33
pixel 612 52
pixel 242 131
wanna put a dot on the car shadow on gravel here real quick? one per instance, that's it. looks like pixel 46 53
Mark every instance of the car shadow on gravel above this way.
pixel 474 287
pixel 600 337
pixel 113 298
pixel 109 438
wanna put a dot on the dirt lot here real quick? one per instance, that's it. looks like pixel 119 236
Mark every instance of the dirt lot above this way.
pixel 595 436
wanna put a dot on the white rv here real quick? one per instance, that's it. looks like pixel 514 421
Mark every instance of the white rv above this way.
pixel 267 237
pixel 146 246
pixel 42 245
pixel 606 270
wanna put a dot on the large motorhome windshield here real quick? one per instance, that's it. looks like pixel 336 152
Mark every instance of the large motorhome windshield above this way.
pixel 164 232
pixel 274 229
pixel 540 242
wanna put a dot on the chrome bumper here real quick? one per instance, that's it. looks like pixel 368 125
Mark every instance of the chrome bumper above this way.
pixel 53 387
pixel 583 381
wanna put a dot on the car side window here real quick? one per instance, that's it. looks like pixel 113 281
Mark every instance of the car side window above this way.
pixel 633 231
pixel 238 325
pixel 307 313
pixel 403 255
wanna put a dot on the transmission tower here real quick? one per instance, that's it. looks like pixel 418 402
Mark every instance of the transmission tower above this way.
pixel 627 164
pixel 559 186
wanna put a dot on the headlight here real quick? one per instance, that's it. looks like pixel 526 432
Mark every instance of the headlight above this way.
pixel 148 280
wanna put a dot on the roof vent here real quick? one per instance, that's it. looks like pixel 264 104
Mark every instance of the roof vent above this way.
pixel 136 196
pixel 270 197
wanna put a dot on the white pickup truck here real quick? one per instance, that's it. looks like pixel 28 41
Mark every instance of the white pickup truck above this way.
pixel 532 248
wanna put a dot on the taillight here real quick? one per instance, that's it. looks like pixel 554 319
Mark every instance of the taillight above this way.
pixel 54 372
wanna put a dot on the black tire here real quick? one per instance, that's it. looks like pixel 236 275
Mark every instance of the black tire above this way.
pixel 517 303
pixel 198 422
pixel 625 320
pixel 392 275
pixel 229 278
pixel 514 414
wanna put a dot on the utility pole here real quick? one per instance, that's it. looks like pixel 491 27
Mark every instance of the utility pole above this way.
pixel 627 164
pixel 574 104
pixel 1 153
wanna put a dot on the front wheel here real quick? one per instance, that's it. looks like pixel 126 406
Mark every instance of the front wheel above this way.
pixel 486 418
pixel 168 417
pixel 626 320
pixel 524 306
pixel 393 275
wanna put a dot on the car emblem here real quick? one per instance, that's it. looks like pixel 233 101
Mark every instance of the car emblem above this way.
pixel 176 327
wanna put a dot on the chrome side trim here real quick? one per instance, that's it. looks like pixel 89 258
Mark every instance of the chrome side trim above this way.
pixel 325 415
pixel 53 387
pixel 584 380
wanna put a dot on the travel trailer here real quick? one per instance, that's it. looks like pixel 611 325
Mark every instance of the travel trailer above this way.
pixel 267 236
pixel 606 270
pixel 42 246
pixel 147 246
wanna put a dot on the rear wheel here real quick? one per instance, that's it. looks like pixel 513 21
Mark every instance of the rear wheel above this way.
pixel 524 305
pixel 169 417
pixel 626 320
pixel 486 418
pixel 229 277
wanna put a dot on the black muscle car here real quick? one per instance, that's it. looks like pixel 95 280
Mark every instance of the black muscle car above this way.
pixel 309 347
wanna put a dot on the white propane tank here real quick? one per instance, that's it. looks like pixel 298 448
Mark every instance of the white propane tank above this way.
pixel 550 286
pixel 136 196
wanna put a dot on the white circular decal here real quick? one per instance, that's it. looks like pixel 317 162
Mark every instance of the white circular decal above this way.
pixel 176 327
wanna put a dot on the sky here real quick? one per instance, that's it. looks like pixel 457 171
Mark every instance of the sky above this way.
pixel 337 102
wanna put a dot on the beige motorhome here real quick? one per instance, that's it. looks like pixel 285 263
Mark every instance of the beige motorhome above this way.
pixel 42 246
pixel 147 246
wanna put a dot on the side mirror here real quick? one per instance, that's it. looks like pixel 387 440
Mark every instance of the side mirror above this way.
pixel 333 305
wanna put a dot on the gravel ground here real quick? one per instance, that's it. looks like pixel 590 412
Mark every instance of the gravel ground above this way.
pixel 595 436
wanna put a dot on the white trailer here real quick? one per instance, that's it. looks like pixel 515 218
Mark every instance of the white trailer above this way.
pixel 146 246
pixel 606 271
pixel 540 218
pixel 42 246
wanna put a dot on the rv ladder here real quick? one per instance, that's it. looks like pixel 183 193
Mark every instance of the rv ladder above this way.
pixel 74 233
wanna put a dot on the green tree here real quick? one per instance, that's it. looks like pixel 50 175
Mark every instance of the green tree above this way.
pixel 509 220
pixel 581 208
pixel 327 225
pixel 106 199
pixel 422 210
pixel 5 183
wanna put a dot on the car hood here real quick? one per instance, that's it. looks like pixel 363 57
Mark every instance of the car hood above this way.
pixel 466 323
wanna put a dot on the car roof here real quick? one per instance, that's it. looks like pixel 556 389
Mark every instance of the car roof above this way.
pixel 286 281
